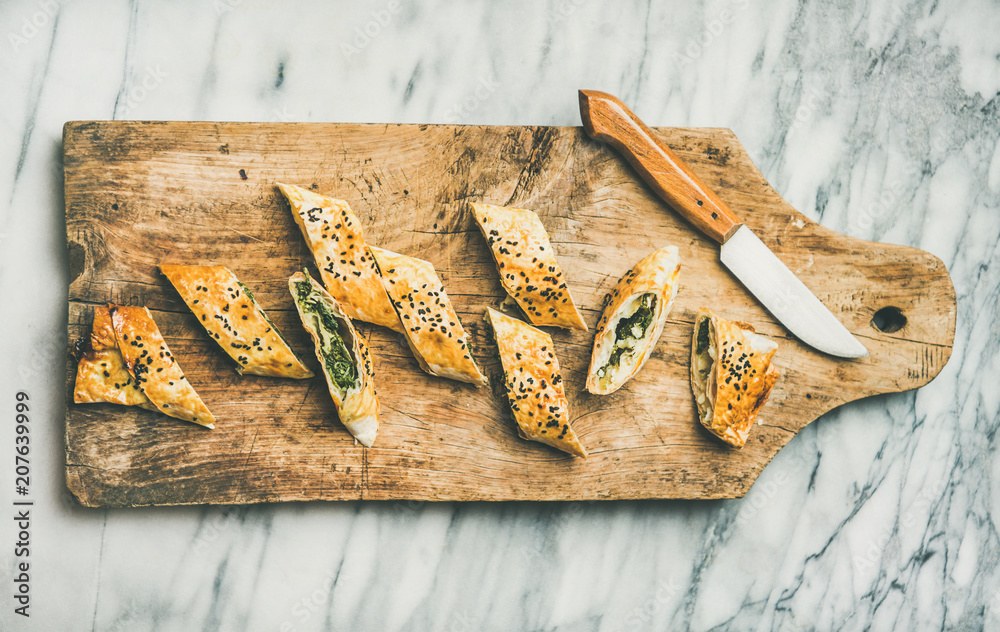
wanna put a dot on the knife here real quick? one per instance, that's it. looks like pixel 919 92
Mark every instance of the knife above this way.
pixel 607 119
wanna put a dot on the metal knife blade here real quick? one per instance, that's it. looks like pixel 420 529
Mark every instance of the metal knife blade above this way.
pixel 607 119
pixel 786 297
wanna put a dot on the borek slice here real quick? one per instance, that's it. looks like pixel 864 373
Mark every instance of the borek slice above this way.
pixel 101 375
pixel 228 311
pixel 527 265
pixel 432 327
pixel 534 385
pixel 634 314
pixel 153 367
pixel 333 234
pixel 731 375
pixel 347 366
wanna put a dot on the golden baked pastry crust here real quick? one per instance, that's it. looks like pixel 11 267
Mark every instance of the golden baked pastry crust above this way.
pixel 230 314
pixel 527 265
pixel 534 384
pixel 730 389
pixel 433 329
pixel 150 363
pixel 334 235
pixel 657 275
pixel 101 375
pixel 358 407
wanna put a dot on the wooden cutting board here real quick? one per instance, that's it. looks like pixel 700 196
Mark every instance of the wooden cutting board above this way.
pixel 141 194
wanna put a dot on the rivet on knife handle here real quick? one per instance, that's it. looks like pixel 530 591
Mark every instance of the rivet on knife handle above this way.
pixel 607 119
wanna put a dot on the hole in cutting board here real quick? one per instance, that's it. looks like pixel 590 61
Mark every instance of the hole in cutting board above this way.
pixel 889 320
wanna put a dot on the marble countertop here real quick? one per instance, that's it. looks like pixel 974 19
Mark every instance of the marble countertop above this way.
pixel 878 120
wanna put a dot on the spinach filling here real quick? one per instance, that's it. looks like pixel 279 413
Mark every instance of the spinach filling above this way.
pixel 616 356
pixel 704 361
pixel 702 345
pixel 337 359
pixel 631 329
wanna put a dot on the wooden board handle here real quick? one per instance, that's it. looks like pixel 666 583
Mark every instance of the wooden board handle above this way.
pixel 607 119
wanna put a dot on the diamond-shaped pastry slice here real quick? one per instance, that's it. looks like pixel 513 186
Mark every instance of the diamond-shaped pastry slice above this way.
pixel 527 265
pixel 229 312
pixel 534 384
pixel 334 235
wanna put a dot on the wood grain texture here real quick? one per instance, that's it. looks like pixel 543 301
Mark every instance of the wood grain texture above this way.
pixel 141 194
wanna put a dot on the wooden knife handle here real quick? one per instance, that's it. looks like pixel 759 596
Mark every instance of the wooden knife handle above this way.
pixel 607 119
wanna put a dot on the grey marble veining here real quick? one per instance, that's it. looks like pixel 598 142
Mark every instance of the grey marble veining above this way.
pixel 879 120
